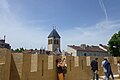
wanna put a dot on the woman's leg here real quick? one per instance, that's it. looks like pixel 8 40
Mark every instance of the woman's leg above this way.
pixel 60 76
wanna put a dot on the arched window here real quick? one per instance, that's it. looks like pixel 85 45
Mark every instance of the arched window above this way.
pixel 57 41
pixel 85 54
pixel 50 41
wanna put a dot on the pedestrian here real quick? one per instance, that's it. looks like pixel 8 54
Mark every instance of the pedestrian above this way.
pixel 111 73
pixel 94 68
pixel 107 68
pixel 59 69
pixel 118 65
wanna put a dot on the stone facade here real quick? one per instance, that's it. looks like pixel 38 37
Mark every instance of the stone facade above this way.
pixel 24 66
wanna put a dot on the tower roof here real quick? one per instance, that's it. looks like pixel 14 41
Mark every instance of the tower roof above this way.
pixel 54 34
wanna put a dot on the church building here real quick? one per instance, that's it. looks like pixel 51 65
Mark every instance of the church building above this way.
pixel 3 44
pixel 54 41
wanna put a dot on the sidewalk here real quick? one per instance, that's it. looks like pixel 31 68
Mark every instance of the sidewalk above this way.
pixel 103 77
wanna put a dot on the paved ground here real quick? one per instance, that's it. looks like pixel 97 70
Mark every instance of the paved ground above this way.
pixel 103 77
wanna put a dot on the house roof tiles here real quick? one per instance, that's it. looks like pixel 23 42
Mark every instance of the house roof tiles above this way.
pixel 87 48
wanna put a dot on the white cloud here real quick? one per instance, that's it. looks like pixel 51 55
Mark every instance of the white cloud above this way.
pixel 99 33
pixel 19 34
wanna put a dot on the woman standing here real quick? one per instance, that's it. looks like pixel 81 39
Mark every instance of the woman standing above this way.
pixel 59 69
pixel 118 65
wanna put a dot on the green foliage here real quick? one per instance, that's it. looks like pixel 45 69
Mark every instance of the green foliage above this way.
pixel 19 50
pixel 114 44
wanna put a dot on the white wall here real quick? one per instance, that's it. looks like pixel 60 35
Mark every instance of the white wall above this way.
pixel 71 50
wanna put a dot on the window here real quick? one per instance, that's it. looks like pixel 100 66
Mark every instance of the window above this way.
pixel 57 42
pixel 84 54
pixel 50 41
pixel 94 54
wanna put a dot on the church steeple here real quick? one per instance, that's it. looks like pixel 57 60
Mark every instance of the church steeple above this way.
pixel 54 34
pixel 53 40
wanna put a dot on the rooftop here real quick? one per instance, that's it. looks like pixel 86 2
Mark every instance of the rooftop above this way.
pixel 54 34
pixel 87 48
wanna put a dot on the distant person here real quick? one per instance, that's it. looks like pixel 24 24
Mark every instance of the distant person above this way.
pixel 59 69
pixel 118 65
pixel 107 68
pixel 94 68
pixel 64 68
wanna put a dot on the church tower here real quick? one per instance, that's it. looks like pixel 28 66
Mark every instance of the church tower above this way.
pixel 53 41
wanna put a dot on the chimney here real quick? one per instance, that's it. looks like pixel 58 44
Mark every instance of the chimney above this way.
pixel 83 46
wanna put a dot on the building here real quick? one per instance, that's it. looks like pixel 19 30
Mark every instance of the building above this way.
pixel 54 41
pixel 41 51
pixel 86 50
pixel 104 47
pixel 3 44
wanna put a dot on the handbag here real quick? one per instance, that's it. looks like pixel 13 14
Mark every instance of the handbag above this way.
pixel 64 70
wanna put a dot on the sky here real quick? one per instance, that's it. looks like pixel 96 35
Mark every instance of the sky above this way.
pixel 27 23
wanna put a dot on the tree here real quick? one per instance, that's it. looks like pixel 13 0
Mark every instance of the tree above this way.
pixel 19 50
pixel 114 44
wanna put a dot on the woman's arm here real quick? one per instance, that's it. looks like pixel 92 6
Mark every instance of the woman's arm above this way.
pixel 60 64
